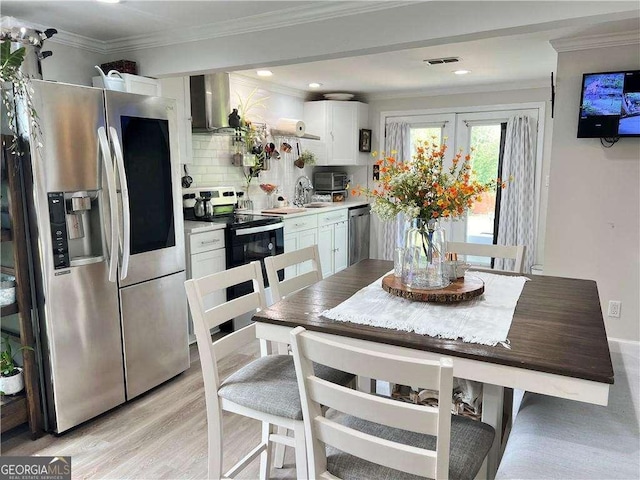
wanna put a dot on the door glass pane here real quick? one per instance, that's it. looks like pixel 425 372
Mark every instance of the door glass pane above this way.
pixel 425 133
pixel 147 162
pixel 485 140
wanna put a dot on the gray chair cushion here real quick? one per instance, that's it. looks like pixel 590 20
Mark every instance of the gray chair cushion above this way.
pixel 470 442
pixel 556 438
pixel 269 385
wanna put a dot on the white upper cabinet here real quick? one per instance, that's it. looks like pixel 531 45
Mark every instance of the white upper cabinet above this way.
pixel 179 89
pixel 338 124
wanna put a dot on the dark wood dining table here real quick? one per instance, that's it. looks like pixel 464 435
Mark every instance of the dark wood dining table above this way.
pixel 557 340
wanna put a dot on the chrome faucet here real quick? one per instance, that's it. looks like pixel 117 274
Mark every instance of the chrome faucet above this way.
pixel 302 191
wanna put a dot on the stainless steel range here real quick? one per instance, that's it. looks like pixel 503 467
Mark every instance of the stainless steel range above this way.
pixel 248 237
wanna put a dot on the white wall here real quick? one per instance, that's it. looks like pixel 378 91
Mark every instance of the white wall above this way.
pixel 593 220
pixel 70 64
pixel 457 103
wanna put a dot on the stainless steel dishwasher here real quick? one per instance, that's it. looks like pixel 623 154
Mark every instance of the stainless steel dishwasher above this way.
pixel 359 232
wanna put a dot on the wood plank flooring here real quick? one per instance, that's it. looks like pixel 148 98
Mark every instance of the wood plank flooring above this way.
pixel 160 435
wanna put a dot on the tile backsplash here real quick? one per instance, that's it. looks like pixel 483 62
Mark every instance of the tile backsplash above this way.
pixel 212 167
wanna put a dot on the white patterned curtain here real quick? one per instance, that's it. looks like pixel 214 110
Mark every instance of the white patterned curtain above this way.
pixel 397 139
pixel 517 205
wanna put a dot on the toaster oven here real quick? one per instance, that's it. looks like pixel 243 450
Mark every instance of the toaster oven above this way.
pixel 329 181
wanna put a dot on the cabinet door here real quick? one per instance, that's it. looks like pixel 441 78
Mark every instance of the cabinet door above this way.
pixel 340 247
pixel 203 264
pixel 325 247
pixel 307 238
pixel 142 85
pixel 343 129
pixel 291 244
pixel 178 89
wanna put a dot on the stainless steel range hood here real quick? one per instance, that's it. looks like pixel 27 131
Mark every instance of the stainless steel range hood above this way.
pixel 210 103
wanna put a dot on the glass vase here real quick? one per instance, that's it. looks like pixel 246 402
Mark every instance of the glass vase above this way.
pixel 423 263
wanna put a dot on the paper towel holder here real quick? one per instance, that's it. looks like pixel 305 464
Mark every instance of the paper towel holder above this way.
pixel 287 135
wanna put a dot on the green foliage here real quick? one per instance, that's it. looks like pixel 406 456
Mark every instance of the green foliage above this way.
pixel 7 362
pixel 485 140
pixel 11 61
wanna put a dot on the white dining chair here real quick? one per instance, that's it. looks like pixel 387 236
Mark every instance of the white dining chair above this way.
pixel 509 252
pixel 374 437
pixel 265 389
pixel 307 259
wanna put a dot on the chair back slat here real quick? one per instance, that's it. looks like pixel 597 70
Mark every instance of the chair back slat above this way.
pixel 381 366
pixel 405 458
pixel 512 252
pixel 289 286
pixel 233 308
pixel 281 289
pixel 311 348
pixel 407 416
pixel 232 342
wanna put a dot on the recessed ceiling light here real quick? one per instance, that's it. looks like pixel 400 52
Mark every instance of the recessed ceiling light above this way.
pixel 109 1
pixel 315 85
pixel 461 72
pixel 264 73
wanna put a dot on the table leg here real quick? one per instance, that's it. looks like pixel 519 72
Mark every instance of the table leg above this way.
pixel 492 398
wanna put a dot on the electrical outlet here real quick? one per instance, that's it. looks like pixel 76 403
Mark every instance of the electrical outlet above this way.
pixel 614 308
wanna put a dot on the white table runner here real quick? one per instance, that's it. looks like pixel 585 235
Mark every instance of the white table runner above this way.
pixel 485 319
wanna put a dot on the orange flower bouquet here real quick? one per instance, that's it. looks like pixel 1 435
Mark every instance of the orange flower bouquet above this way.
pixel 423 188
pixel 425 191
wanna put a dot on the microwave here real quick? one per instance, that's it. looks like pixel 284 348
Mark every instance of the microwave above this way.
pixel 330 181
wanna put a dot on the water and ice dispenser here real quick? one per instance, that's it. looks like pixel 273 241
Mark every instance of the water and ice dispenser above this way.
pixel 76 228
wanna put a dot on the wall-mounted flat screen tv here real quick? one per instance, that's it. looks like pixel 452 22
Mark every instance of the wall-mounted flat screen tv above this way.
pixel 610 105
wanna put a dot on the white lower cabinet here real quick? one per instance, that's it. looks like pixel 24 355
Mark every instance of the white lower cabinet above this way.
pixel 206 255
pixel 296 241
pixel 333 244
pixel 333 241
pixel 329 230
pixel 299 232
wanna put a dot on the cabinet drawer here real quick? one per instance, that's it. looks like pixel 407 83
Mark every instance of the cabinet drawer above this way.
pixel 205 241
pixel 335 216
pixel 292 225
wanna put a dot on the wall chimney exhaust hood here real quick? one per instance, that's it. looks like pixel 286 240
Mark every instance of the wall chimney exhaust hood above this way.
pixel 210 104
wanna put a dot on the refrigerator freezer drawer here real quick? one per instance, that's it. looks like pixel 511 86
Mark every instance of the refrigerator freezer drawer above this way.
pixel 84 361
pixel 155 332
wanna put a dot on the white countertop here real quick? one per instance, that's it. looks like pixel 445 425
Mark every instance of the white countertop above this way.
pixel 312 211
pixel 193 226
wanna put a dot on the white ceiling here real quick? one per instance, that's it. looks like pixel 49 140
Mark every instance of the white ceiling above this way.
pixel 514 61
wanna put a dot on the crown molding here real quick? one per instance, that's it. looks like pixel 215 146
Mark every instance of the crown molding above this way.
pixel 495 87
pixel 272 87
pixel 68 38
pixel 250 24
pixel 587 42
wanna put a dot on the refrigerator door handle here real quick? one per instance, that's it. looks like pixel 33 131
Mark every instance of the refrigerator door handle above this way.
pixel 103 145
pixel 125 234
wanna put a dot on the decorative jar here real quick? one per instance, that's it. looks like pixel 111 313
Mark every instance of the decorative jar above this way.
pixel 423 262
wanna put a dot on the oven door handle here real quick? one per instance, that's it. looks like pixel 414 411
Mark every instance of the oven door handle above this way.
pixel 260 229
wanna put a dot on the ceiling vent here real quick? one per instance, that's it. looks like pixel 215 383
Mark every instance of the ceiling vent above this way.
pixel 439 61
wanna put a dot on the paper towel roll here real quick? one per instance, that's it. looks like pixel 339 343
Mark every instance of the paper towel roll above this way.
pixel 291 126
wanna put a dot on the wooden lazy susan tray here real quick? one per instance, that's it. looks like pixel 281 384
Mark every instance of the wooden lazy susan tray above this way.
pixel 457 291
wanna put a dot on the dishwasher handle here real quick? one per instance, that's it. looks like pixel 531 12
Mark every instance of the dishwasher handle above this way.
pixel 358 211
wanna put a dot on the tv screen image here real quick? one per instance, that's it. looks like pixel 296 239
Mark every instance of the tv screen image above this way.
pixel 610 105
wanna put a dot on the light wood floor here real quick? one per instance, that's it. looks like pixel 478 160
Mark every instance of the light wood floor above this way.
pixel 160 435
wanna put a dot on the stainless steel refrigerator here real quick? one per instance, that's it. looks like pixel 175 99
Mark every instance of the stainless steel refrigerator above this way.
pixel 102 182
